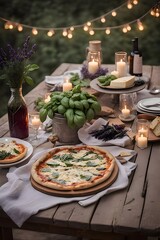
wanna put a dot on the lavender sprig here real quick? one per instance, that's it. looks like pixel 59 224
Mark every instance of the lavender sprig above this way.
pixel 13 64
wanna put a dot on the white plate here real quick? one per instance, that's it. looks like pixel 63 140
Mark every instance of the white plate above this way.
pixel 53 80
pixel 142 104
pixel 139 109
pixel 29 152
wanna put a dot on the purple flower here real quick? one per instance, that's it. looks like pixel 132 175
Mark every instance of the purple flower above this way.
pixel 13 63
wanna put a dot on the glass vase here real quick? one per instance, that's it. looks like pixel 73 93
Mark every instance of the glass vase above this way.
pixel 18 114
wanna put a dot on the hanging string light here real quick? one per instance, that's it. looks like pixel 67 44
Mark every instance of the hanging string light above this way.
pixel 50 33
pixel 140 25
pixel 103 20
pixel 88 26
pixel 129 5
pixel 155 10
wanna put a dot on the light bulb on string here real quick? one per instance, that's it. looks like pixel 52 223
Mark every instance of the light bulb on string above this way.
pixel 34 31
pixel 88 24
pixel 140 25
pixel 108 31
pixel 129 5
pixel 152 12
pixel 91 32
pixel 103 20
pixel 114 13
pixel 135 2
pixel 124 29
pixel 10 26
pixel 6 25
pixel 128 27
pixel 85 28
pixel 65 33
pixel 72 28
pixel 50 33
pixel 69 35
pixel 157 12
pixel 20 28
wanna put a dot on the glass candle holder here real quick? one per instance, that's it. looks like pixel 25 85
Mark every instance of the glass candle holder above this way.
pixel 126 106
pixel 142 128
pixel 121 63
pixel 94 56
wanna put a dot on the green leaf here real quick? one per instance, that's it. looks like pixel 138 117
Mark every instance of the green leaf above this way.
pixel 28 80
pixel 31 67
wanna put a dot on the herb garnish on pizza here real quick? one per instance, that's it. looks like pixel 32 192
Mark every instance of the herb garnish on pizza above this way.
pixel 12 151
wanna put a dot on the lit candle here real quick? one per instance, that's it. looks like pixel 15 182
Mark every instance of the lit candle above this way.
pixel 142 141
pixel 143 131
pixel 47 99
pixel 92 67
pixel 36 121
pixel 67 86
pixel 121 68
pixel 125 112
pixel 115 73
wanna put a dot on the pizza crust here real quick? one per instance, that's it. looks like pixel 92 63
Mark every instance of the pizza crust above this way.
pixel 21 148
pixel 104 174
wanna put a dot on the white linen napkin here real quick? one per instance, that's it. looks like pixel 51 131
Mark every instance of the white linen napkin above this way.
pixel 20 200
pixel 86 138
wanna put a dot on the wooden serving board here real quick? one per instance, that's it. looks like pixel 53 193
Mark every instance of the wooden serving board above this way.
pixel 151 136
pixel 78 193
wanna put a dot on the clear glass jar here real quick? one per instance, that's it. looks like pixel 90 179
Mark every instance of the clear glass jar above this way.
pixel 94 56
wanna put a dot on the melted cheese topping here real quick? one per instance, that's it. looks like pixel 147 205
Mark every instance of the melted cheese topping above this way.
pixel 69 167
pixel 10 147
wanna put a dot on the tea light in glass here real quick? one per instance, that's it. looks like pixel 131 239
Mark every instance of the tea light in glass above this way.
pixel 94 56
pixel 142 128
pixel 126 107
pixel 121 63
pixel 35 123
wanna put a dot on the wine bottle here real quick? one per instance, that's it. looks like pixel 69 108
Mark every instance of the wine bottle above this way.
pixel 131 58
pixel 135 59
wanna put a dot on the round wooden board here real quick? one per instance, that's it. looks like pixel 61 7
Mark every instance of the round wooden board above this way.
pixel 151 136
pixel 78 193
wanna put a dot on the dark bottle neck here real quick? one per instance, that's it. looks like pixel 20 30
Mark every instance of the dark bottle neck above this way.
pixel 135 45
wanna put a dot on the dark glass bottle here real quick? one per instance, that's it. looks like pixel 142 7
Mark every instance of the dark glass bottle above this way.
pixel 18 114
pixel 135 66
pixel 131 58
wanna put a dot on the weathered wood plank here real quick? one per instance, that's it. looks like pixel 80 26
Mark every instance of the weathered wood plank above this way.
pixel 130 216
pixel 81 216
pixel 150 222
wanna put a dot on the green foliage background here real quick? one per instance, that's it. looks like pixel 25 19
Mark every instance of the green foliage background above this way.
pixel 51 52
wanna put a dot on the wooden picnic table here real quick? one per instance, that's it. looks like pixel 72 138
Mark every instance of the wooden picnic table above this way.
pixel 133 212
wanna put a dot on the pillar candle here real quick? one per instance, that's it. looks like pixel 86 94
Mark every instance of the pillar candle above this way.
pixel 121 68
pixel 142 141
pixel 92 67
pixel 67 86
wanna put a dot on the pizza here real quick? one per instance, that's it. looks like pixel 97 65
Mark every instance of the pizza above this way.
pixel 73 167
pixel 12 151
